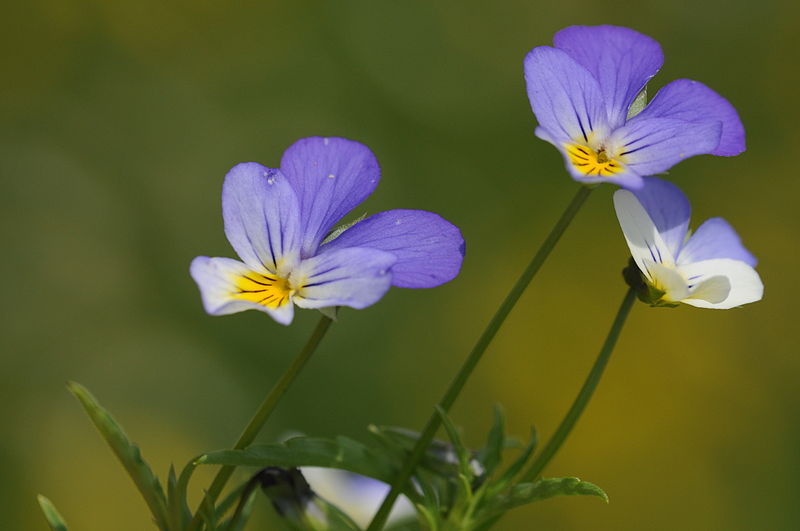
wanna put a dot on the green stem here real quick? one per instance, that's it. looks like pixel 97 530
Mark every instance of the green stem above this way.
pixel 251 485
pixel 585 393
pixel 475 356
pixel 263 413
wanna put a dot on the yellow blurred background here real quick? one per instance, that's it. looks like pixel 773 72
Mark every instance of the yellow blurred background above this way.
pixel 118 121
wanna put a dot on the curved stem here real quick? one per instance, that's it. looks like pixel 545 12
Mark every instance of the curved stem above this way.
pixel 475 355
pixel 585 393
pixel 263 413
pixel 249 487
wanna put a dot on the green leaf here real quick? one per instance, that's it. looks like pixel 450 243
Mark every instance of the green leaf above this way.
pixel 525 493
pixel 491 455
pixel 342 453
pixel 55 520
pixel 639 103
pixel 463 454
pixel 207 513
pixel 232 498
pixel 127 453
pixel 334 518
pixel 519 463
pixel 245 495
pixel 177 507
pixel 440 457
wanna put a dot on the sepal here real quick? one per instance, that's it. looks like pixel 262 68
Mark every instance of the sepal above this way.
pixel 645 292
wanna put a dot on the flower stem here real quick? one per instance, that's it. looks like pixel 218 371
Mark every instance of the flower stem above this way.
pixel 475 356
pixel 585 393
pixel 263 413
pixel 244 499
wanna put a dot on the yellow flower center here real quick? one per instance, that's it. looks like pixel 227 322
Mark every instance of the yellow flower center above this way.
pixel 268 290
pixel 591 162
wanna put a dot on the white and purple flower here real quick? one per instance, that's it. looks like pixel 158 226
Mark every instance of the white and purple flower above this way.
pixel 277 221
pixel 359 497
pixel 582 91
pixel 708 269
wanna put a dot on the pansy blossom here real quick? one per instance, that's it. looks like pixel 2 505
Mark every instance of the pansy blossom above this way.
pixel 708 269
pixel 357 496
pixel 277 221
pixel 582 90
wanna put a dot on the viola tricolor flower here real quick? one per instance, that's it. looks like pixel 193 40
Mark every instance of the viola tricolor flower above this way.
pixel 709 269
pixel 357 496
pixel 582 92
pixel 277 221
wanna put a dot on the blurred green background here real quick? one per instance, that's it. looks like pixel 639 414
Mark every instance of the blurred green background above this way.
pixel 120 119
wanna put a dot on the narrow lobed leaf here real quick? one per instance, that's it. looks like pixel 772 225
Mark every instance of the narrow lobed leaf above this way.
pixel 518 464
pixel 524 493
pixel 463 454
pixel 342 453
pixel 55 520
pixel 127 453
pixel 440 458
pixel 491 455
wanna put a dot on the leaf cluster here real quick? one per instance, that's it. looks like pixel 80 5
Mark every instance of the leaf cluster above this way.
pixel 453 488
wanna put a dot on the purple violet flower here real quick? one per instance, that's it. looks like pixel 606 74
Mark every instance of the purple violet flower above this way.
pixel 709 269
pixel 582 91
pixel 277 221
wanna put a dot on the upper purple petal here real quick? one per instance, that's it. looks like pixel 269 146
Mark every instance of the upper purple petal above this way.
pixel 715 239
pixel 429 249
pixel 564 96
pixel 621 59
pixel 261 217
pixel 330 177
pixel 669 209
pixel 691 101
pixel 654 145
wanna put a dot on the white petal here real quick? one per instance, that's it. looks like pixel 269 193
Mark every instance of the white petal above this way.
pixel 216 278
pixel 358 496
pixel 743 283
pixel 668 280
pixel 644 241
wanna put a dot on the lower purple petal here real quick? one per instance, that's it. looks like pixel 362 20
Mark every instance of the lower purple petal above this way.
pixel 354 276
pixel 429 249
pixel 653 145
pixel 691 101
pixel 715 239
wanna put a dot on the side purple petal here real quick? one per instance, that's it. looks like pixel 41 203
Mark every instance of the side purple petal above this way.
pixel 330 176
pixel 691 101
pixel 261 217
pixel 429 249
pixel 653 145
pixel 669 209
pixel 621 59
pixel 715 239
pixel 564 96
pixel 354 276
